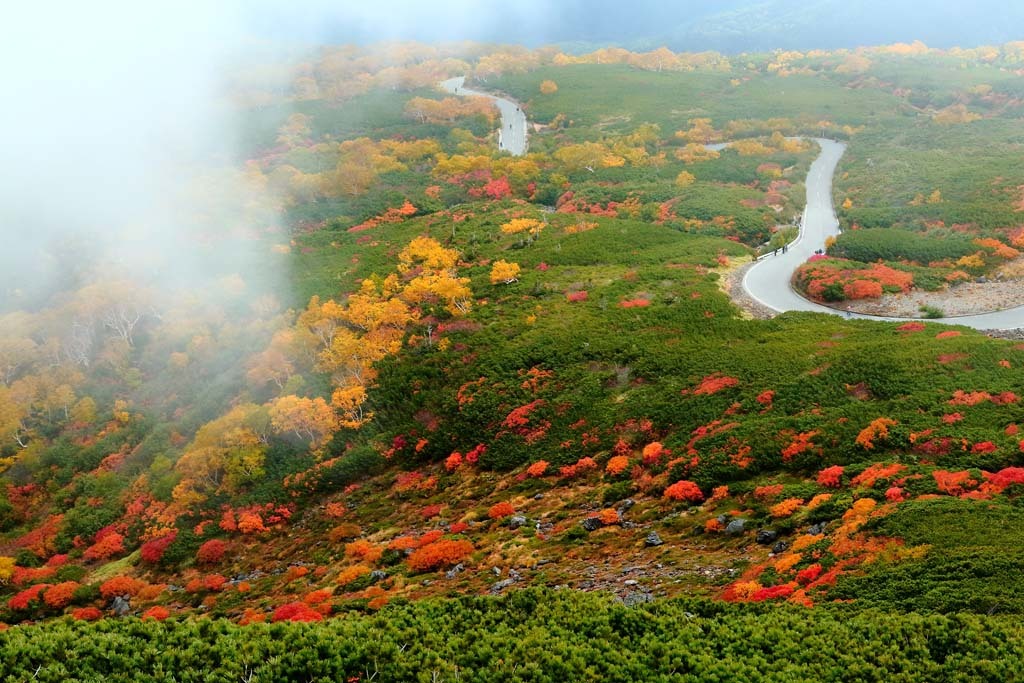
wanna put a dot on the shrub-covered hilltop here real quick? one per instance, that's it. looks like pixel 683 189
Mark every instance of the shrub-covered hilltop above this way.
pixel 496 374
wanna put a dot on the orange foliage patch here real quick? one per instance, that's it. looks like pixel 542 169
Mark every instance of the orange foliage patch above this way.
pixel 438 555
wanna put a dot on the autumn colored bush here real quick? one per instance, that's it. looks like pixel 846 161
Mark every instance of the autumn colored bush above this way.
pixel 443 553
pixel 617 465
pixel 212 551
pixel 350 574
pixel 876 472
pixel 153 551
pixel 453 461
pixel 713 383
pixel 537 469
pixel 24 599
pixel 296 611
pixel 609 516
pixel 786 507
pixel 573 297
pixel 250 523
pixel 121 585
pixel 580 467
pixel 86 614
pixel 105 547
pixel 877 430
pixel 768 491
pixel 831 477
pixel 501 510
pixel 429 537
pixel 684 490
pixel 156 613
pixel 61 595
pixel 363 550
pixel 214 582
pixel 458 528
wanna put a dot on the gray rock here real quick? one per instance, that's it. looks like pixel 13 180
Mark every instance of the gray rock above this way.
pixel 496 570
pixel 516 521
pixel 539 496
pixel 653 540
pixel 454 571
pixel 636 598
pixel 780 547
pixel 514 575
pixel 121 606
pixel 378 575
pixel 630 582
pixel 501 585
pixel 816 529
pixel 591 523
pixel 736 526
pixel 766 536
pixel 625 505
pixel 722 519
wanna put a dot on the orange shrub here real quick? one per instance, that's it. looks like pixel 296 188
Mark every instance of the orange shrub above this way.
pixel 60 596
pixel 295 572
pixel 214 582
pixel 350 574
pixel 617 465
pixel 335 510
pixel 111 544
pixel 609 516
pixel 438 555
pixel 537 469
pixel 317 597
pixel 684 490
pixel 250 523
pixel 501 510
pixel 766 492
pixel 786 507
pixel 429 537
pixel 652 452
pixel 402 543
pixel 121 585
pixel 363 550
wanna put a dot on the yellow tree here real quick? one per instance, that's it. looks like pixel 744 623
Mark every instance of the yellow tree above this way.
pixel 225 454
pixel 311 419
pixel 548 87
pixel 684 179
pixel 504 272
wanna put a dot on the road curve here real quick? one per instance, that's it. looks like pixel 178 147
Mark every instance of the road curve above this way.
pixel 512 134
pixel 769 281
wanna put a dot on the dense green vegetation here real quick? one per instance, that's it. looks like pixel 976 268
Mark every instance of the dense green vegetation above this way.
pixel 530 636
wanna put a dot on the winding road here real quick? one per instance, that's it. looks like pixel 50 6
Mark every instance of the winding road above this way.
pixel 512 135
pixel 769 281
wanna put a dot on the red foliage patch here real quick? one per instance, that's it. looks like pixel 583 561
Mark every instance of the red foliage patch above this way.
pixel 296 611
pixel 684 490
pixel 438 555
pixel 212 551
pixel 153 551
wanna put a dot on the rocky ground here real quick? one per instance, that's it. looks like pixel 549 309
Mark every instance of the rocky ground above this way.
pixel 967 298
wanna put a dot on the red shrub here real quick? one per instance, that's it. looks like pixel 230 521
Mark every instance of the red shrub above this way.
pixel 212 551
pixel 109 545
pixel 453 461
pixel 157 613
pixel 153 551
pixel 429 537
pixel 809 575
pixel 86 614
pixel 458 528
pixel 296 611
pixel 25 598
pixel 537 469
pixel 772 593
pixel 577 296
pixel 214 582
pixel 831 477
pixel 714 383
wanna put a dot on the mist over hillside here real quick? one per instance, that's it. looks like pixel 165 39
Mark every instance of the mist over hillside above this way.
pixel 730 26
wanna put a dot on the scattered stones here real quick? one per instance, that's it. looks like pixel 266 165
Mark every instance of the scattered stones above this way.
pixel 736 526
pixel 378 575
pixel 816 529
pixel 516 521
pixel 636 598
pixel 454 571
pixel 501 585
pixel 780 547
pixel 766 536
pixel 591 523
pixel 625 505
pixel 653 540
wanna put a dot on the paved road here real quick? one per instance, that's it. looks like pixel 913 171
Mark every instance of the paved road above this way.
pixel 512 135
pixel 769 280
